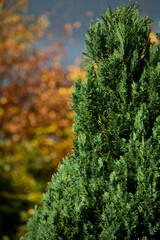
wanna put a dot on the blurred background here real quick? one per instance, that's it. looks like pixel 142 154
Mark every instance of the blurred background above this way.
pixel 41 45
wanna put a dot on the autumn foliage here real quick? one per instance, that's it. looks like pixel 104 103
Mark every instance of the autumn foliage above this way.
pixel 35 119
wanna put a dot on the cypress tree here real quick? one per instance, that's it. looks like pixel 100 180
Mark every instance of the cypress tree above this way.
pixel 109 187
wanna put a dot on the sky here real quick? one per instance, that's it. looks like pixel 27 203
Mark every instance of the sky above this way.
pixel 70 18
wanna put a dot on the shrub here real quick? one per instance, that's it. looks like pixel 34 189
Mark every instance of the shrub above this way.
pixel 108 188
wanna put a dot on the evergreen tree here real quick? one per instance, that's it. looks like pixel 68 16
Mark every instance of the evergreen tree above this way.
pixel 109 187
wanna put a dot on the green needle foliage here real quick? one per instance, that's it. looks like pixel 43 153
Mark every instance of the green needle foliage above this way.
pixel 109 187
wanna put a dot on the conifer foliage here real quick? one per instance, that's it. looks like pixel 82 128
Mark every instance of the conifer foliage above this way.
pixel 109 187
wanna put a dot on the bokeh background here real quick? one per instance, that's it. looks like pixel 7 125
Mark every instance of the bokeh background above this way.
pixel 79 12
pixel 41 45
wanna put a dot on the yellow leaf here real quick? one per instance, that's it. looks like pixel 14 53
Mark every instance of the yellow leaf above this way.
pixel 153 38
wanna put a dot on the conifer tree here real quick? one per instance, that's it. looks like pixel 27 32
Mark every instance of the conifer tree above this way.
pixel 109 187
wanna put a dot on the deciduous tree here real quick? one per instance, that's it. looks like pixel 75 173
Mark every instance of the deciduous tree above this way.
pixel 35 119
